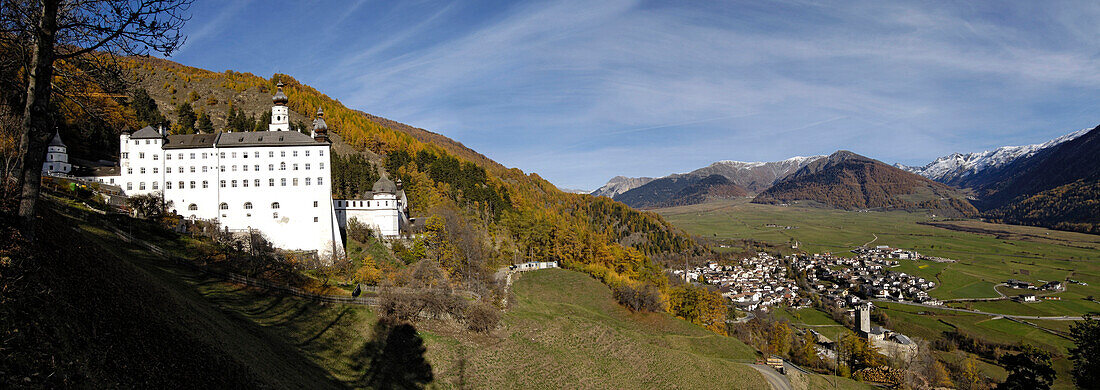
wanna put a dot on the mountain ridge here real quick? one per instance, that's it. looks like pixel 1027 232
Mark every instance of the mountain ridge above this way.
pixel 847 180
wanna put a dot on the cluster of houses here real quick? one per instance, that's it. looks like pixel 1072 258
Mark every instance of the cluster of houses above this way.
pixel 762 281
pixel 834 278
pixel 1048 286
pixel 886 252
pixel 756 283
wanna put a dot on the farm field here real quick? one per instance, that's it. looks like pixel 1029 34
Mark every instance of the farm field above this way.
pixel 986 253
pixel 929 324
pixel 810 318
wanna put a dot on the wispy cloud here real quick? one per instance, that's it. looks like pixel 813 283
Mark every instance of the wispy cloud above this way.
pixel 580 91
pixel 226 14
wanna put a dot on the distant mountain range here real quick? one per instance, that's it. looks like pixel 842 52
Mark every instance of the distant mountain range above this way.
pixel 740 179
pixel 1056 187
pixel 621 184
pixel 1054 184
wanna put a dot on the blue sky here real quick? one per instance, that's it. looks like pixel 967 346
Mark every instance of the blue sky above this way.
pixel 580 91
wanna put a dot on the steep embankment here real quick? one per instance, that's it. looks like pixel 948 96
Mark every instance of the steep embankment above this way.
pixel 79 315
pixel 849 181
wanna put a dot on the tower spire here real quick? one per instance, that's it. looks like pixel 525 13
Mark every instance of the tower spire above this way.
pixel 280 115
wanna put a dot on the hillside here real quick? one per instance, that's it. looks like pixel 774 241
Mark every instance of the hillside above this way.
pixel 847 180
pixel 755 176
pixel 1077 159
pixel 1074 207
pixel 681 190
pixel 157 323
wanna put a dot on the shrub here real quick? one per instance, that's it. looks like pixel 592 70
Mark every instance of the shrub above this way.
pixel 645 297
pixel 359 231
pixel 482 317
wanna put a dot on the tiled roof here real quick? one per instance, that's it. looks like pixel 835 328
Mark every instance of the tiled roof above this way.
pixel 147 132
pixel 189 141
pixel 265 138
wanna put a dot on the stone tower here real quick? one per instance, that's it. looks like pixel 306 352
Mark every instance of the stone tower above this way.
pixel 863 318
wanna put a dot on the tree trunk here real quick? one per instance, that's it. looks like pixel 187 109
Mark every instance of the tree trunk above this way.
pixel 36 115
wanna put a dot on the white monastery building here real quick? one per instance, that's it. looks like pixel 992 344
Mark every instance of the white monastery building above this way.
pixel 275 181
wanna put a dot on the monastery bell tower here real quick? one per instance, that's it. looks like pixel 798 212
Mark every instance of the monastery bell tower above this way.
pixel 280 117
pixel 320 129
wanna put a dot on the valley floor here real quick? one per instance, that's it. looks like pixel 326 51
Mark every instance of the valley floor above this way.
pixel 986 255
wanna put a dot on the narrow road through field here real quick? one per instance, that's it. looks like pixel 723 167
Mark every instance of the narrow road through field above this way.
pixel 1055 318
pixel 774 378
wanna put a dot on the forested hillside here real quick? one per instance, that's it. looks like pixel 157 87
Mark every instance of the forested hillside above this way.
pixel 511 216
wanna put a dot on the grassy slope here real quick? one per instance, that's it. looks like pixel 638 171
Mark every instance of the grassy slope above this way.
pixel 564 331
pixel 987 253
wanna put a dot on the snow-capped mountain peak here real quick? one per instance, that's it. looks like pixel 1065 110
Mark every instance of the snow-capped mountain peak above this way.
pixel 956 166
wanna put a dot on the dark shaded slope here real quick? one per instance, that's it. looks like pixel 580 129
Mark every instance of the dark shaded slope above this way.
pixel 849 181
pixel 1074 206
pixel 680 190
pixel 74 315
pixel 1058 187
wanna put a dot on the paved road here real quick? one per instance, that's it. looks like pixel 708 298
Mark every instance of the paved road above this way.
pixel 1058 318
pixel 775 379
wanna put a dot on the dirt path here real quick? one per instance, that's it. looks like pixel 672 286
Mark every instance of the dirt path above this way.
pixel 868 244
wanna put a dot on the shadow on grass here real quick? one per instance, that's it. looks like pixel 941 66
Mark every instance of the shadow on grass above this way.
pixel 394 358
pixel 325 329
